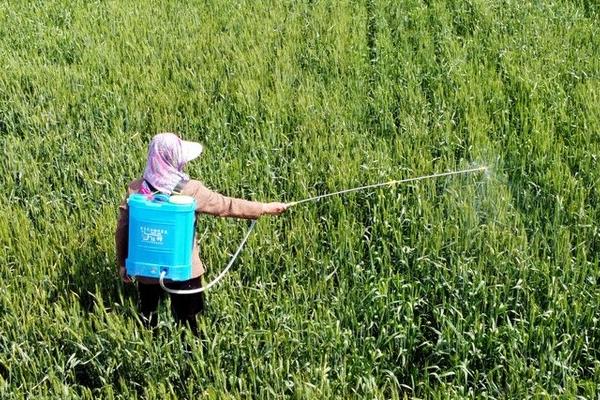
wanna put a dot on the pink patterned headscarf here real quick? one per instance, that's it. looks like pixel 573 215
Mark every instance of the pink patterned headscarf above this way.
pixel 167 155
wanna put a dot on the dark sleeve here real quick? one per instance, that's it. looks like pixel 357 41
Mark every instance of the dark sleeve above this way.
pixel 213 203
pixel 122 235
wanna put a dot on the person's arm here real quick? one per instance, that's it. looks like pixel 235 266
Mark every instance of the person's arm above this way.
pixel 213 203
pixel 122 241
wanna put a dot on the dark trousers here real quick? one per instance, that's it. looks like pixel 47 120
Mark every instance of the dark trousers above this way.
pixel 183 306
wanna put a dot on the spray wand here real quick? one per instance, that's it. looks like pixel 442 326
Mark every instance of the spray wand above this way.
pixel 390 183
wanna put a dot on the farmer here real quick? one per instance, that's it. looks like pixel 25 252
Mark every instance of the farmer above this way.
pixel 167 156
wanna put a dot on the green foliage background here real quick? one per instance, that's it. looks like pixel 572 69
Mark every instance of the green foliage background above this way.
pixel 479 286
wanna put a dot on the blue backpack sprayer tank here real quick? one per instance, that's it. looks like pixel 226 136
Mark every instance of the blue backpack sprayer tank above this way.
pixel 161 236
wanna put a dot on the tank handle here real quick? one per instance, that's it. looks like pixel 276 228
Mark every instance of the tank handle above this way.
pixel 160 197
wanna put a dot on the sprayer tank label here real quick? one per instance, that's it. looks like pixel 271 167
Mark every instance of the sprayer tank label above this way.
pixel 153 235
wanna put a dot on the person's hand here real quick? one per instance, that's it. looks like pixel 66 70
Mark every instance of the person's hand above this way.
pixel 123 274
pixel 274 208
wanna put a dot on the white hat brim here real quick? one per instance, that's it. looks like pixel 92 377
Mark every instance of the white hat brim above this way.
pixel 191 150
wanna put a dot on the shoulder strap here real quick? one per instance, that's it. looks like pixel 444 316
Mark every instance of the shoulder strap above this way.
pixel 179 187
pixel 152 188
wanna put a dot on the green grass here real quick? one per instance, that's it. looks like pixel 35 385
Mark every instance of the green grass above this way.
pixel 473 286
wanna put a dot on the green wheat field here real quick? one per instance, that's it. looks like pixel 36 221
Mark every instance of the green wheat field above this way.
pixel 473 286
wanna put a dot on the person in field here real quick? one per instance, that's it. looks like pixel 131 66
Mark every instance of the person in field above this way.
pixel 167 157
